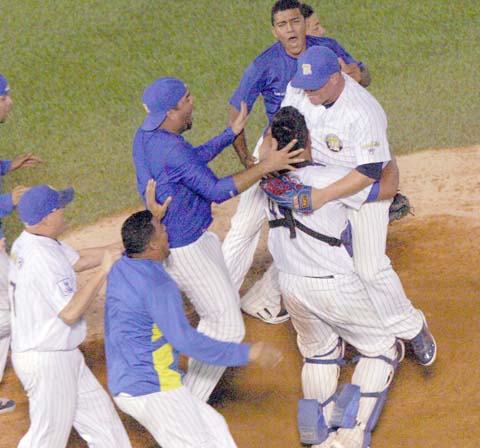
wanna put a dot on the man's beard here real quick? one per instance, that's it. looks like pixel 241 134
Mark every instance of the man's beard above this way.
pixel 186 127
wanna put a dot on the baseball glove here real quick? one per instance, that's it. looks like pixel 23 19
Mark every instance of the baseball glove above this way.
pixel 287 192
pixel 399 208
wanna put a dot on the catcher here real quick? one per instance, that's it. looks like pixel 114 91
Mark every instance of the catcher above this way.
pixel 327 301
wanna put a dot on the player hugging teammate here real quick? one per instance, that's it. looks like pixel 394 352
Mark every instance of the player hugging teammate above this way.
pixel 327 179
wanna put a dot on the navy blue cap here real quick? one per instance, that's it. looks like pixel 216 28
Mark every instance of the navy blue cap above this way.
pixel 4 87
pixel 158 98
pixel 40 201
pixel 314 68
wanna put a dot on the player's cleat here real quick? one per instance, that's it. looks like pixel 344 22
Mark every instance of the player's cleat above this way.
pixel 355 437
pixel 424 346
pixel 266 316
pixel 6 405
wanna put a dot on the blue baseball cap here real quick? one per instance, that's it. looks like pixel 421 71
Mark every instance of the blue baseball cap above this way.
pixel 314 68
pixel 158 98
pixel 40 201
pixel 4 87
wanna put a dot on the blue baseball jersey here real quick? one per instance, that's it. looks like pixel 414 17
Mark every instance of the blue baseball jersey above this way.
pixel 181 171
pixel 146 329
pixel 271 71
pixel 6 204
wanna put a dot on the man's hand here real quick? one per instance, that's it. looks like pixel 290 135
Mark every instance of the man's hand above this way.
pixel 265 355
pixel 352 70
pixel 157 210
pixel 239 122
pixel 24 160
pixel 281 160
pixel 17 193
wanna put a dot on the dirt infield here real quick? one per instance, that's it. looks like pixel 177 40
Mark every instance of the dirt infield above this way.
pixel 433 253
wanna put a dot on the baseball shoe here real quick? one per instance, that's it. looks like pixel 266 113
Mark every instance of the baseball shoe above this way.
pixel 6 405
pixel 424 346
pixel 266 316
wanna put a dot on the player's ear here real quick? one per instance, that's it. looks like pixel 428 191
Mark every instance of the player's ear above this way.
pixel 274 32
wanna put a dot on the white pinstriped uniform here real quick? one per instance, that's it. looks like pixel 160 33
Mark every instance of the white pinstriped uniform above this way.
pixel 353 132
pixel 200 272
pixel 322 309
pixel 186 420
pixel 62 390
pixel 4 312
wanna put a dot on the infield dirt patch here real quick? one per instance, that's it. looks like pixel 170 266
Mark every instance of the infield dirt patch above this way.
pixel 434 253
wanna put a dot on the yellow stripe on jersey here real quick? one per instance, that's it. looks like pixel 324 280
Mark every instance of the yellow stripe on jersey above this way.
pixel 162 359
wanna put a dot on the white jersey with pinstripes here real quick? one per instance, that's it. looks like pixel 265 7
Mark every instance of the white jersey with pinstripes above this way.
pixel 41 283
pixel 304 255
pixel 45 352
pixel 352 132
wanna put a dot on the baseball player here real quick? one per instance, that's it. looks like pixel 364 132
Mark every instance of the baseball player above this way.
pixel 146 328
pixel 181 172
pixel 326 301
pixel 312 22
pixel 314 28
pixel 8 202
pixel 348 128
pixel 48 327
pixel 268 75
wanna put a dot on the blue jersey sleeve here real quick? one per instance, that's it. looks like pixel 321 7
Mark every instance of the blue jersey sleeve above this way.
pixel 184 166
pixel 142 172
pixel 5 166
pixel 211 149
pixel 165 307
pixel 6 204
pixel 251 86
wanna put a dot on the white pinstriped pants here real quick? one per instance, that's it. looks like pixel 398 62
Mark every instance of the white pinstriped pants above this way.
pixel 178 419
pixel 323 309
pixel 62 392
pixel 200 272
pixel 369 234
pixel 4 312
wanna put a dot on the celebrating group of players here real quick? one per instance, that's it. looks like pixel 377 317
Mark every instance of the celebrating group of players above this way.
pixel 325 131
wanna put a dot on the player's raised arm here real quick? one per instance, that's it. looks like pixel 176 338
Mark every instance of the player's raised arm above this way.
pixel 240 143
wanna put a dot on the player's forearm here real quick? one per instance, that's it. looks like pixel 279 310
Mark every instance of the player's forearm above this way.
pixel 240 143
pixel 389 181
pixel 92 257
pixel 246 178
pixel 350 184
pixel 83 298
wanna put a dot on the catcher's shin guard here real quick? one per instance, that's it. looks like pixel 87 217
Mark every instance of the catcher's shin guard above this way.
pixel 374 375
pixel 319 382
pixel 311 422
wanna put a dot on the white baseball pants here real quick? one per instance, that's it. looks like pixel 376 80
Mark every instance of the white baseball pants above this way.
pixel 62 392
pixel 369 233
pixel 200 272
pixel 321 310
pixel 4 312
pixel 178 419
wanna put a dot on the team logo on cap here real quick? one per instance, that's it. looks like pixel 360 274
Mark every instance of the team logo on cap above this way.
pixel 307 69
pixel 146 108
pixel 333 143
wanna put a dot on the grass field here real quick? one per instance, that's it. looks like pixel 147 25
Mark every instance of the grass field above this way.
pixel 78 69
